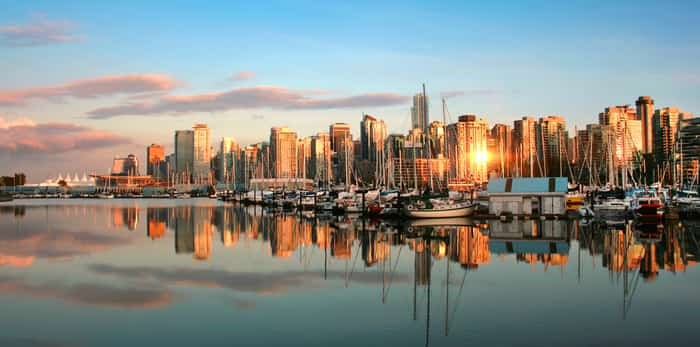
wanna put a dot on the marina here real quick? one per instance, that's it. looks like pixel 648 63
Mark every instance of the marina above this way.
pixel 441 281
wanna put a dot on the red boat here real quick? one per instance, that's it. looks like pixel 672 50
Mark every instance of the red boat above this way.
pixel 649 207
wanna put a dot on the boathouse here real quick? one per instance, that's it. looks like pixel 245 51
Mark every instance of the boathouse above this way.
pixel 543 196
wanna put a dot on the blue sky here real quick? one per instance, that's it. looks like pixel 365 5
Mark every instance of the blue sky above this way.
pixel 507 59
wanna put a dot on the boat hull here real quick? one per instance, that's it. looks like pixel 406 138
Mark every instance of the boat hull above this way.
pixel 461 211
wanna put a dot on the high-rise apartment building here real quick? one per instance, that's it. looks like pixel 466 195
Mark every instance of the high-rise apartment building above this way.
pixel 372 137
pixel 184 151
pixel 525 147
pixel 201 160
pixel 467 149
pixel 552 141
pixel 304 158
pixel 419 112
pixel 501 157
pixel 436 137
pixel 283 152
pixel 666 122
pixel 343 151
pixel 228 150
pixel 155 155
pixel 321 164
pixel 645 113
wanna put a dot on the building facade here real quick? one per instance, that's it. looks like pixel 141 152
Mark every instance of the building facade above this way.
pixel 184 151
pixel 645 113
pixel 283 152
pixel 155 155
pixel 201 160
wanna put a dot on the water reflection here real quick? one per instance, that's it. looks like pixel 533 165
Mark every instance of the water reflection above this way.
pixel 398 258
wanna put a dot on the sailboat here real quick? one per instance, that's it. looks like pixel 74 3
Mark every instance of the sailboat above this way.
pixel 105 193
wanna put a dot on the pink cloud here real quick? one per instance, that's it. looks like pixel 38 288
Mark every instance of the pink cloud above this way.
pixel 92 88
pixel 27 137
pixel 39 31
pixel 243 75
pixel 275 97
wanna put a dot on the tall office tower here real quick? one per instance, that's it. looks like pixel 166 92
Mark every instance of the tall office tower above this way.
pixel 645 113
pixel 501 149
pixel 283 152
pixel 525 147
pixel 201 164
pixel 184 151
pixel 227 160
pixel 666 121
pixel 419 112
pixel 342 145
pixel 436 137
pixel 304 158
pixel 689 148
pixel 372 137
pixel 552 139
pixel 321 165
pixel 155 155
pixel 467 149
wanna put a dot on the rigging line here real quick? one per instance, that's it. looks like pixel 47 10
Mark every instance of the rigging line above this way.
pixel 459 295
pixel 391 277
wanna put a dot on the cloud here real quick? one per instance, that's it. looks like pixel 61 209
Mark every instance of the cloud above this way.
pixel 39 31
pixel 40 242
pixel 473 92
pixel 250 282
pixel 274 97
pixel 24 136
pixel 243 75
pixel 89 294
pixel 92 88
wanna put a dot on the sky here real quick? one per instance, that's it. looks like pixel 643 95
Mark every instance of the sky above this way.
pixel 84 81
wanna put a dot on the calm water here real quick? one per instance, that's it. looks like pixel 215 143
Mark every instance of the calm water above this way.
pixel 200 273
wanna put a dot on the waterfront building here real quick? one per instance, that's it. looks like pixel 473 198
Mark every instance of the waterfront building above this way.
pixel 343 151
pixel 184 152
pixel 467 149
pixel 201 159
pixel 689 149
pixel 372 138
pixel 155 155
pixel 500 149
pixel 665 122
pixel 436 139
pixel 645 113
pixel 419 112
pixel 527 196
pixel 125 166
pixel 551 142
pixel 283 152
pixel 304 158
pixel 321 165
pixel 226 168
pixel 525 147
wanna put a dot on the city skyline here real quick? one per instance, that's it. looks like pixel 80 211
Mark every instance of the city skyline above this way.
pixel 79 109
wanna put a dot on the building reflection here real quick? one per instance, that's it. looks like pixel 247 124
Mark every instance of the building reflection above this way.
pixel 125 216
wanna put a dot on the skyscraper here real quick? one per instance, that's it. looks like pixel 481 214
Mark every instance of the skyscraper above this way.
pixel 645 112
pixel 419 112
pixel 201 152
pixel 283 152
pixel 501 150
pixel 552 141
pixel 155 155
pixel 627 130
pixel 304 158
pixel 321 165
pixel 227 156
pixel 372 137
pixel 184 151
pixel 666 121
pixel 467 149
pixel 342 145
pixel 525 147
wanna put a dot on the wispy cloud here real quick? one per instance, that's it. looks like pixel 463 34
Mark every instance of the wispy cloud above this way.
pixel 472 92
pixel 38 31
pixel 243 75
pixel 27 137
pixel 92 88
pixel 89 294
pixel 274 97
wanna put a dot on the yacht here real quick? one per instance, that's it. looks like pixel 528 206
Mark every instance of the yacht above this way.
pixel 440 208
